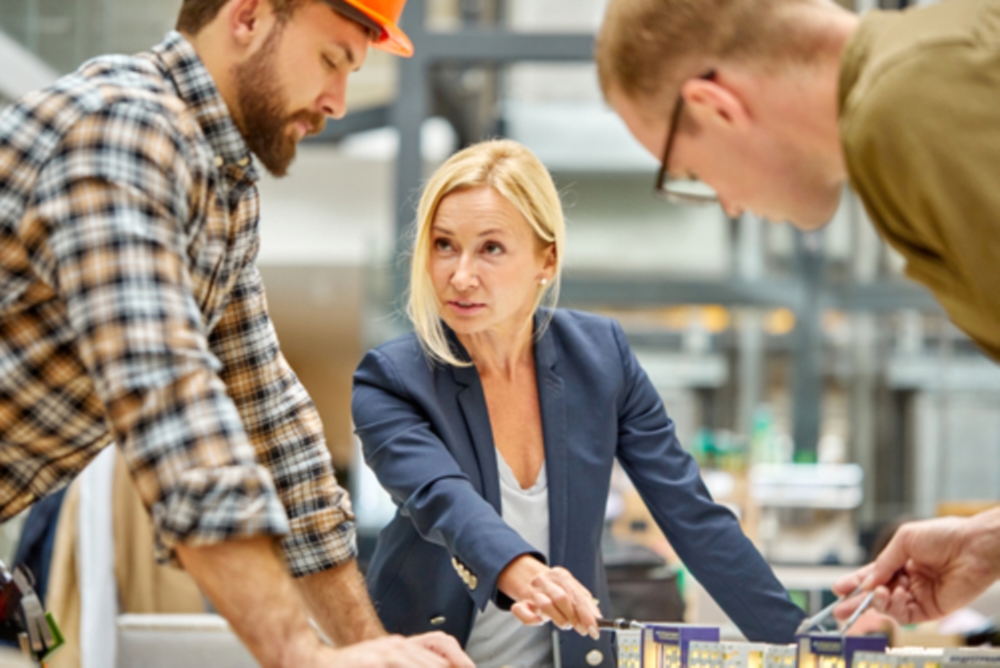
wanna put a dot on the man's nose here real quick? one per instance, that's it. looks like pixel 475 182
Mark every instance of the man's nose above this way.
pixel 333 101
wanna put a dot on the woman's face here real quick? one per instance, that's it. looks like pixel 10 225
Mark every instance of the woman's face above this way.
pixel 486 263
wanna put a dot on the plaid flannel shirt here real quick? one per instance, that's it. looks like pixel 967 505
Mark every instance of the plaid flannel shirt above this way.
pixel 131 310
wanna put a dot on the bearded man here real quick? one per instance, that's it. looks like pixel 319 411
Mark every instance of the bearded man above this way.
pixel 132 311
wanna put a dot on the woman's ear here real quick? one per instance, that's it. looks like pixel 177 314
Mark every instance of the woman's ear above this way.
pixel 549 262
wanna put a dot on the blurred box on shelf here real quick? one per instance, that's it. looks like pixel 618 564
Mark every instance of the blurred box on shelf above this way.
pixel 964 508
pixel 806 512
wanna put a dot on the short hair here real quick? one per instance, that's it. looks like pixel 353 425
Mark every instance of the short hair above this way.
pixel 196 14
pixel 518 175
pixel 646 48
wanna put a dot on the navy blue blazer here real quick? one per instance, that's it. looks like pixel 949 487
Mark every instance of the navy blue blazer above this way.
pixel 426 433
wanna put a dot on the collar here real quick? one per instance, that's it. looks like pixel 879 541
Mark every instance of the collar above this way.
pixel 198 91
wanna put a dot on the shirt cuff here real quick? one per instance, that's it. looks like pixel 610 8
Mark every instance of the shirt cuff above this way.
pixel 214 505
pixel 322 539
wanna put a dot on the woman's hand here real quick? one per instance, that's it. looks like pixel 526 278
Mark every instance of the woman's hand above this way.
pixel 542 594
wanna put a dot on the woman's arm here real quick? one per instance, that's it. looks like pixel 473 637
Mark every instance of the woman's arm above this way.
pixel 418 470
pixel 705 535
pixel 413 464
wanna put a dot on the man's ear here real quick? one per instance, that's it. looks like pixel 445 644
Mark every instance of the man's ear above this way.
pixel 249 20
pixel 714 102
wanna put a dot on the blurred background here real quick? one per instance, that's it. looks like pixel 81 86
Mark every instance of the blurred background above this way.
pixel 824 395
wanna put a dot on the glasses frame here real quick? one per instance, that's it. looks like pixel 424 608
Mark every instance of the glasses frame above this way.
pixel 663 179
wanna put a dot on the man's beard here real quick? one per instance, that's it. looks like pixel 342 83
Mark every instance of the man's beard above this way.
pixel 262 105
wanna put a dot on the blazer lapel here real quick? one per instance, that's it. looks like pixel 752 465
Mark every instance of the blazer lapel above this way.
pixel 552 402
pixel 472 402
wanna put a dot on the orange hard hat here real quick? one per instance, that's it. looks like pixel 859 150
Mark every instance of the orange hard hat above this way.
pixel 385 14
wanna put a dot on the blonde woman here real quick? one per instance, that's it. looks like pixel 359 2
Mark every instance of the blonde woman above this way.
pixel 495 425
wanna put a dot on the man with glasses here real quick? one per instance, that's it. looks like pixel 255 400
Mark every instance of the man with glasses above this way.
pixel 771 106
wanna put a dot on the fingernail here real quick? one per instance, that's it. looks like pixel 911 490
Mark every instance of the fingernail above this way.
pixel 867 583
pixel 594 633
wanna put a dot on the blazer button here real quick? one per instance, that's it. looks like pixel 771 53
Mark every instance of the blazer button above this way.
pixel 473 582
pixel 438 621
pixel 594 657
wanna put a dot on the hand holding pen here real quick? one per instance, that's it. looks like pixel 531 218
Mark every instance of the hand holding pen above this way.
pixel 929 569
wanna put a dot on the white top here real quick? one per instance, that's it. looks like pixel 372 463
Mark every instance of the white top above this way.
pixel 498 639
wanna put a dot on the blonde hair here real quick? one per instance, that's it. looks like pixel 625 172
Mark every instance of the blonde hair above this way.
pixel 514 172
pixel 646 48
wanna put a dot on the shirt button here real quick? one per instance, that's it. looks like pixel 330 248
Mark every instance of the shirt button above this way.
pixel 219 161
pixel 594 657
pixel 243 162
pixel 438 621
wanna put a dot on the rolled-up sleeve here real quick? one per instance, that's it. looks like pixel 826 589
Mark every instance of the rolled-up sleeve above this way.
pixel 116 201
pixel 285 430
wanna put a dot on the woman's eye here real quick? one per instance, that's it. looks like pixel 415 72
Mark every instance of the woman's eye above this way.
pixel 493 248
pixel 328 63
pixel 442 244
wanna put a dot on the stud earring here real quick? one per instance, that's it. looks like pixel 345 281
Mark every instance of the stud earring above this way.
pixel 544 281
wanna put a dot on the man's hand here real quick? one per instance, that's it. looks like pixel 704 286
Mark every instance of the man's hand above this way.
pixel 248 585
pixel 542 593
pixel 929 569
pixel 340 605
pixel 433 650
pixel 443 645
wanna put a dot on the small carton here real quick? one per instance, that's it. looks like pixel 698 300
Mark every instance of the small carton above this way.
pixel 831 650
pixel 972 657
pixel 780 656
pixel 900 657
pixel 629 648
pixel 726 655
pixel 706 655
pixel 666 645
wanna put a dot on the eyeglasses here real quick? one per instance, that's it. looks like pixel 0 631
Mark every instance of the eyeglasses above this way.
pixel 681 191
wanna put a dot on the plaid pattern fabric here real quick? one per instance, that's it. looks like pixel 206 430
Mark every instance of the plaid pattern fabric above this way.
pixel 131 310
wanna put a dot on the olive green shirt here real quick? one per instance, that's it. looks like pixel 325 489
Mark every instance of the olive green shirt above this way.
pixel 920 127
